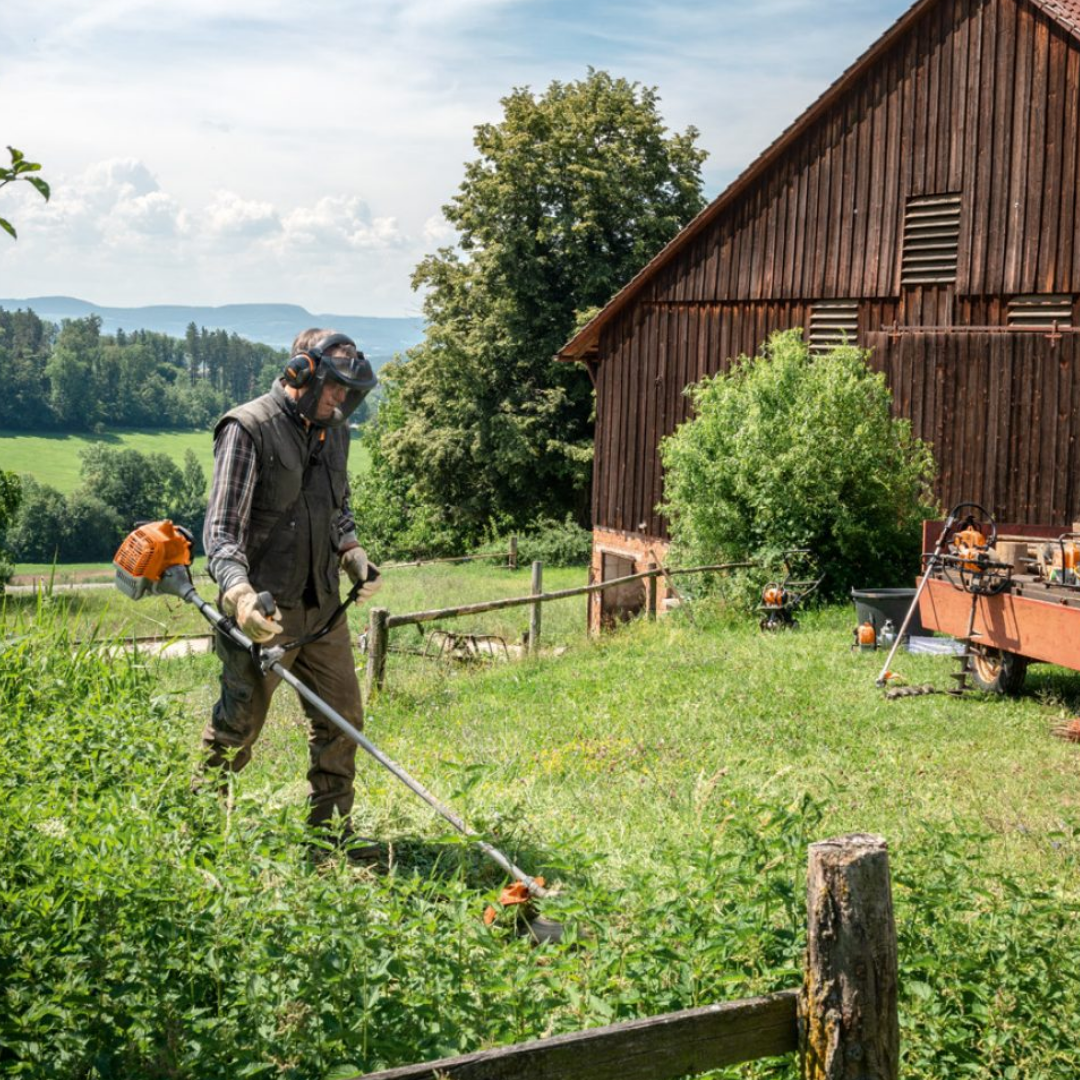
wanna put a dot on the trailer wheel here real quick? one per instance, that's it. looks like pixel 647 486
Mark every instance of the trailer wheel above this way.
pixel 997 671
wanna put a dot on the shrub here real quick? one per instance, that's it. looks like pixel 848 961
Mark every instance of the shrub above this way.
pixel 555 543
pixel 789 451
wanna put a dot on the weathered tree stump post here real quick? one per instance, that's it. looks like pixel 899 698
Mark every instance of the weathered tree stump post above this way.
pixel 651 591
pixel 511 558
pixel 534 616
pixel 378 639
pixel 848 1023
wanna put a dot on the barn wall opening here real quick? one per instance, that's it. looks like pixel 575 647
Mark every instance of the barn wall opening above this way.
pixel 623 601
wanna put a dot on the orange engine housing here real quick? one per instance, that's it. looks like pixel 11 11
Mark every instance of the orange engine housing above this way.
pixel 151 549
pixel 967 544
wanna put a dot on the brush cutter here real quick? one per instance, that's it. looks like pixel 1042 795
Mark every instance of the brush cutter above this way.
pixel 156 558
pixel 968 554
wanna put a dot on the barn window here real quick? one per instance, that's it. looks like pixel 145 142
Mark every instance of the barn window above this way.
pixel 832 323
pixel 1042 309
pixel 931 240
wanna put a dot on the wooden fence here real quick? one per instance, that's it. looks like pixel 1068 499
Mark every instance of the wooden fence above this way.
pixel 842 1022
pixel 382 622
pixel 511 556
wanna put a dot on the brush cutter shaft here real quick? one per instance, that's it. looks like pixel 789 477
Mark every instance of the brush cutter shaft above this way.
pixel 414 785
pixel 930 564
pixel 226 626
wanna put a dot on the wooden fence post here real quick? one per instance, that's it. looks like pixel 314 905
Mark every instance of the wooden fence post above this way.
pixel 848 1023
pixel 511 558
pixel 651 591
pixel 378 639
pixel 534 616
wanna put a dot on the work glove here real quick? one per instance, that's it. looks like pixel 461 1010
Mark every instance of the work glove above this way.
pixel 242 602
pixel 354 562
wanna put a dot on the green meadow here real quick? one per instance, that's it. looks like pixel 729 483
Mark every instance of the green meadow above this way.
pixel 53 459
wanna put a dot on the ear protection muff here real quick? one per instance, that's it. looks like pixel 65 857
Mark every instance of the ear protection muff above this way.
pixel 301 368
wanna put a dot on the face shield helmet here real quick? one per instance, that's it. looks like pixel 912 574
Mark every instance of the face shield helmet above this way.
pixel 340 378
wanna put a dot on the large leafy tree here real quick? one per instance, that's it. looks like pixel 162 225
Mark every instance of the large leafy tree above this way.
pixel 570 195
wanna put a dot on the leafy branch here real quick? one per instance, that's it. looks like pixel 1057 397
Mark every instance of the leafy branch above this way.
pixel 17 171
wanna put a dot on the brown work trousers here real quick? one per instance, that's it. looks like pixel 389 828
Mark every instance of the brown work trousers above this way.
pixel 324 666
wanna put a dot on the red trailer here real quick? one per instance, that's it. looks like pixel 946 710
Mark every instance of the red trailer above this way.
pixel 1013 601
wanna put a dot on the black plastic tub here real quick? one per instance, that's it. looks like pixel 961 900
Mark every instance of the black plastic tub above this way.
pixel 879 605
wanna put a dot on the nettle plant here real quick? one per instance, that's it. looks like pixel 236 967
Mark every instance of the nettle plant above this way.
pixel 789 450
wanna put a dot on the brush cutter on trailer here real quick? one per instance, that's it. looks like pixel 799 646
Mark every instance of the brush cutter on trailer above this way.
pixel 962 554
pixel 156 557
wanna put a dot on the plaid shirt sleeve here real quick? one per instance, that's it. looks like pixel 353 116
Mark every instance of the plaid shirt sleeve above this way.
pixel 346 525
pixel 227 516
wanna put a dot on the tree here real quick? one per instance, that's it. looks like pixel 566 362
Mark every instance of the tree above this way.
pixel 36 534
pixel 792 451
pixel 72 371
pixel 24 351
pixel 19 170
pixel 139 487
pixel 10 497
pixel 571 194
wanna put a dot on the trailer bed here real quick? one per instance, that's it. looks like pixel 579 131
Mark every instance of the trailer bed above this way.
pixel 1031 619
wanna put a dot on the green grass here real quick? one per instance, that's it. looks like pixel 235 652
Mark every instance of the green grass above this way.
pixel 667 778
pixel 53 459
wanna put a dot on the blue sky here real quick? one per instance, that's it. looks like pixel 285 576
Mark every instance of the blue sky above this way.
pixel 203 152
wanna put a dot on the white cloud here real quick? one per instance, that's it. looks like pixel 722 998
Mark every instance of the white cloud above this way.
pixel 339 222
pixel 230 215
pixel 438 232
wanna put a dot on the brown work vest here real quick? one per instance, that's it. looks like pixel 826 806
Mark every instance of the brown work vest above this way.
pixel 292 536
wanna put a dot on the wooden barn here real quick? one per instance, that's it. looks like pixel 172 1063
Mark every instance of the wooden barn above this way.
pixel 926 207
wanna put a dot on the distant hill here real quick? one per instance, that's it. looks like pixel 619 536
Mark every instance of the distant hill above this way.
pixel 271 324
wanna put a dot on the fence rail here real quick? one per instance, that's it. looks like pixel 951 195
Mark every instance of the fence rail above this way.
pixel 382 622
pixel 843 1021
pixel 510 555
pixel 658 1048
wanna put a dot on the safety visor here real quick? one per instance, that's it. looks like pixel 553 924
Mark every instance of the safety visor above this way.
pixel 339 385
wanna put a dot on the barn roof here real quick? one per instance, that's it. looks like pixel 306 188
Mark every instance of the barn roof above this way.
pixel 583 346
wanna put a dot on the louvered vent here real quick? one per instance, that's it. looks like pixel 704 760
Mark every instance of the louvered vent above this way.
pixel 832 323
pixel 1041 310
pixel 931 239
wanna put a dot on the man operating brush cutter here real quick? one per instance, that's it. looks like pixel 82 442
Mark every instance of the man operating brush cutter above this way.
pixel 156 558
pixel 279 522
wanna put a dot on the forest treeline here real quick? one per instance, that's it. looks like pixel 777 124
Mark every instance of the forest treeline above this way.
pixel 74 378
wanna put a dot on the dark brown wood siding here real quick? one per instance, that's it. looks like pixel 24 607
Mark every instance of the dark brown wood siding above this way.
pixel 999 411
pixel 979 98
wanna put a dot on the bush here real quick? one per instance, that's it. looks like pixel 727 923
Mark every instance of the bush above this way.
pixel 789 451
pixel 555 543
